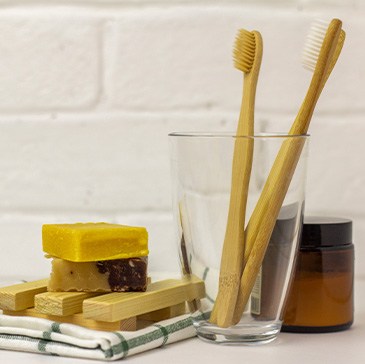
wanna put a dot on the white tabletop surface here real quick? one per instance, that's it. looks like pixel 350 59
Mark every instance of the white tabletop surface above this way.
pixel 347 347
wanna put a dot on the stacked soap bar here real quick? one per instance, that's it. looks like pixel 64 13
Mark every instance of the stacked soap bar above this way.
pixel 96 257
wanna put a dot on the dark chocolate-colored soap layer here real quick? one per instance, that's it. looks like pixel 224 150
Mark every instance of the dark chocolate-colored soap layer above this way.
pixel 125 274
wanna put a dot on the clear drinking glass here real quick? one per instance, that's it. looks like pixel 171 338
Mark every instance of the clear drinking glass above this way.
pixel 201 177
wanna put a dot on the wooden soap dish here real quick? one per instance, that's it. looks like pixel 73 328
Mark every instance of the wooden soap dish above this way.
pixel 126 311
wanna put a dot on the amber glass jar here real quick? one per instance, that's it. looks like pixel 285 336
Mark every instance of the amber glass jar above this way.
pixel 321 294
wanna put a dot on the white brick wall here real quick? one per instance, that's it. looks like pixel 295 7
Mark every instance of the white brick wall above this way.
pixel 89 92
pixel 49 62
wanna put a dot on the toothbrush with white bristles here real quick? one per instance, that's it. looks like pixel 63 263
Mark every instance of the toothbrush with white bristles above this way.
pixel 313 44
pixel 322 50
pixel 320 54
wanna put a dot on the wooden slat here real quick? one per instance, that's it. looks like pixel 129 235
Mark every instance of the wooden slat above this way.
pixel 129 324
pixel 64 303
pixel 164 313
pixel 21 296
pixel 61 303
pixel 118 306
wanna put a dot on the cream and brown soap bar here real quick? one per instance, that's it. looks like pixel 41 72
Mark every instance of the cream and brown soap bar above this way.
pixel 96 257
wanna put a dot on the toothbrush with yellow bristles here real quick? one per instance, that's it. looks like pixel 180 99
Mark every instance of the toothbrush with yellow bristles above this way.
pixel 321 53
pixel 247 56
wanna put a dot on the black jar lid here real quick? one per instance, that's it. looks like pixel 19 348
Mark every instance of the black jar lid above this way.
pixel 326 231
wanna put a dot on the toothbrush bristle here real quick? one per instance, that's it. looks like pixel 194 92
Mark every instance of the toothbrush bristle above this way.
pixel 313 44
pixel 244 50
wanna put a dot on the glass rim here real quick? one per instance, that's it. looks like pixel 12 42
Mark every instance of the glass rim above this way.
pixel 222 134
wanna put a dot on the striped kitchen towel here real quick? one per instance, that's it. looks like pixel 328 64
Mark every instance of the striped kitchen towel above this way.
pixel 44 336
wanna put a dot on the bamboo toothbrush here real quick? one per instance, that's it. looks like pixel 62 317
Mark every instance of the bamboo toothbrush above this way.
pixel 310 51
pixel 247 58
pixel 322 55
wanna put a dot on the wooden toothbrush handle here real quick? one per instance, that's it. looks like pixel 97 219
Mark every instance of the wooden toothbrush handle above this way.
pixel 233 247
pixel 277 189
pixel 263 219
pixel 299 127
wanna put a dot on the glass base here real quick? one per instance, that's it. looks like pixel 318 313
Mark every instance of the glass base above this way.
pixel 241 334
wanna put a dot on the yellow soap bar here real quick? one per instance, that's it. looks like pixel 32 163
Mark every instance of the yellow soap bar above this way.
pixel 87 242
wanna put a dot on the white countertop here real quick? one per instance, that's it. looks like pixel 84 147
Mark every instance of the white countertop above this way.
pixel 333 348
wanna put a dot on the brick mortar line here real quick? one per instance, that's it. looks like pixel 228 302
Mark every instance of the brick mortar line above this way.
pixel 8 215
pixel 107 5
pixel 161 214
pixel 87 116
pixel 142 3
